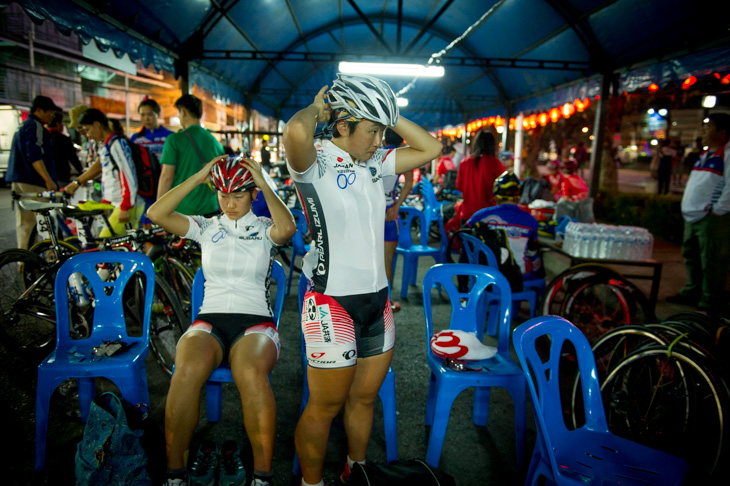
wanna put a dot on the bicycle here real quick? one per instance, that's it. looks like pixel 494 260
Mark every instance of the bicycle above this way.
pixel 27 308
pixel 177 273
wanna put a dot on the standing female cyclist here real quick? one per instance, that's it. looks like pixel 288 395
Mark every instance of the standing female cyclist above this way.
pixel 234 323
pixel 347 320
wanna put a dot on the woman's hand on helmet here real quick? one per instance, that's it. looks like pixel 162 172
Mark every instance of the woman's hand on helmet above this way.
pixel 203 175
pixel 320 101
pixel 256 171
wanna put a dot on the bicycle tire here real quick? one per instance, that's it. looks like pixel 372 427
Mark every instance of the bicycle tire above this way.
pixel 703 321
pixel 675 402
pixel 555 290
pixel 179 277
pixel 609 350
pixel 167 325
pixel 601 303
pixel 47 251
pixel 27 325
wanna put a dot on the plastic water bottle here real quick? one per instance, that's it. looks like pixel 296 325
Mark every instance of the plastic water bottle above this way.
pixel 76 284
pixel 602 241
pixel 569 238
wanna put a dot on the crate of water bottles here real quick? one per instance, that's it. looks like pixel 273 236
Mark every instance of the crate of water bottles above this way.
pixel 609 242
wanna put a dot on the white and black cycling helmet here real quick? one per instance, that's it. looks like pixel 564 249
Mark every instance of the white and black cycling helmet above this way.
pixel 364 97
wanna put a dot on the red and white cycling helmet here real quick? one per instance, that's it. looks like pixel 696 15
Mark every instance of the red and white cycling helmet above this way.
pixel 230 175
pixel 364 97
pixel 455 344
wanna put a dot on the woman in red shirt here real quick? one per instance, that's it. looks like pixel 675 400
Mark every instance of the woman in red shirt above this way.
pixel 445 163
pixel 477 174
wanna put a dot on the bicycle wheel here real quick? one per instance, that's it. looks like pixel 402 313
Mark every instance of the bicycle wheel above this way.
pixel 675 402
pixel 27 312
pixel 180 279
pixel 609 350
pixel 46 250
pixel 167 325
pixel 563 284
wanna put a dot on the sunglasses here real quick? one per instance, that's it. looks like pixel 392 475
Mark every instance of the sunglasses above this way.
pixel 459 365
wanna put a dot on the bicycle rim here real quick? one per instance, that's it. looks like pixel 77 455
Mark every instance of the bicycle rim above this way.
pixel 673 403
pixel 180 279
pixel 596 307
pixel 167 325
pixel 46 250
pixel 27 311
pixel 609 350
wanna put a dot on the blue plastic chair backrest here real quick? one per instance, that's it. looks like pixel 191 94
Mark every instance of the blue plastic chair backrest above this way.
pixel 277 273
pixel 302 229
pixel 543 377
pixel 109 322
pixel 470 315
pixel 430 202
pixel 474 247
pixel 406 215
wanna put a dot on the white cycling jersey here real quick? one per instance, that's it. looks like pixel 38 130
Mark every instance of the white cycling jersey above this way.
pixel 237 258
pixel 344 203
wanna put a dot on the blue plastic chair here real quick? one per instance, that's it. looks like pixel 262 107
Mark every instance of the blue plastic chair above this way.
pixel 474 248
pixel 72 358
pixel 590 454
pixel 222 374
pixel 469 315
pixel 432 212
pixel 298 246
pixel 386 394
pixel 411 251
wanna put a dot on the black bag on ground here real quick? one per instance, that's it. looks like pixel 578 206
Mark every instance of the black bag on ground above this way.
pixel 413 471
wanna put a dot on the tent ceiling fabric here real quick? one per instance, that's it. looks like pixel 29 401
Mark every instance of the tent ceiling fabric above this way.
pixel 278 53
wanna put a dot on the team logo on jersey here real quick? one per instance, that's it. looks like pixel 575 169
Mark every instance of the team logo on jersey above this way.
pixel 316 355
pixel 373 171
pixel 349 354
pixel 311 310
pixel 344 180
pixel 325 322
pixel 221 234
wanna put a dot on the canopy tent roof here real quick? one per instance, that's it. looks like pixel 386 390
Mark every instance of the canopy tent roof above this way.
pixel 275 54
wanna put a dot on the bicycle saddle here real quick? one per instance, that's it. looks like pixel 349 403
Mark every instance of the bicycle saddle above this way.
pixel 39 206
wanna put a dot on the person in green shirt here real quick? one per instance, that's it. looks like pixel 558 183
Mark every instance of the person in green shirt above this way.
pixel 185 152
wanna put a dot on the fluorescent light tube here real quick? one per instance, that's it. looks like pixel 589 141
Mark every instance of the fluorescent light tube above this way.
pixel 385 69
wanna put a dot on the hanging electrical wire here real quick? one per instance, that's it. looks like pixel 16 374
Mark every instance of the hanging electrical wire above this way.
pixel 436 57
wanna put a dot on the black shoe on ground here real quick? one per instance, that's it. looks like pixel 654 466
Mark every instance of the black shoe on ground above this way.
pixel 683 299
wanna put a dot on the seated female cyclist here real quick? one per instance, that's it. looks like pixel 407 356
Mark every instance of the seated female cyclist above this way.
pixel 347 323
pixel 234 323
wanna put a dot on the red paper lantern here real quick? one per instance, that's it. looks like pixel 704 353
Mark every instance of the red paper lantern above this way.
pixel 689 82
